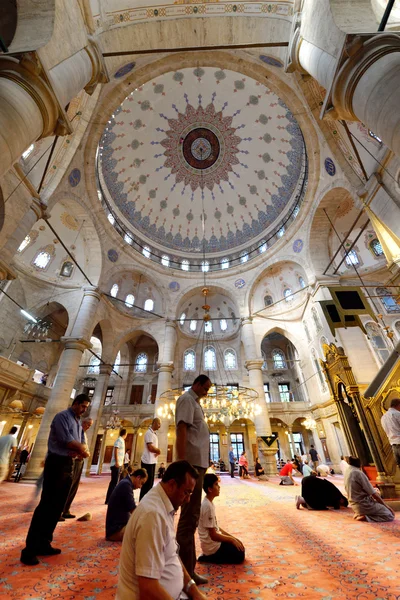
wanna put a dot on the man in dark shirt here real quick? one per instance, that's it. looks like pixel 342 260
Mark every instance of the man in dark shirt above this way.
pixel 315 458
pixel 122 504
pixel 66 441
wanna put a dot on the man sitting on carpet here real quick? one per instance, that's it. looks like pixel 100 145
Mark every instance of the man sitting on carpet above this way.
pixel 150 567
pixel 122 504
pixel 217 545
pixel 286 473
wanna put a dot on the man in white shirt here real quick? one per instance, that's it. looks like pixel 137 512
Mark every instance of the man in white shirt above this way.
pixel 117 461
pixel 193 445
pixel 149 567
pixel 391 426
pixel 149 456
pixel 8 448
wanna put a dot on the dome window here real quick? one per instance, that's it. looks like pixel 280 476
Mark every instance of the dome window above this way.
pixel 149 305
pixel 185 265
pixel 288 294
pixel 351 258
pixel 376 247
pixel 208 327
pixel 146 252
pixel 130 300
pixel 225 263
pixel 182 319
pixel 205 266
pixel 223 325
pixel 111 218
pixel 165 260
pixel 114 290
pixel 193 325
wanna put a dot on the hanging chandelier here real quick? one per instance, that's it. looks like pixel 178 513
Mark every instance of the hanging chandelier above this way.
pixel 309 423
pixel 223 403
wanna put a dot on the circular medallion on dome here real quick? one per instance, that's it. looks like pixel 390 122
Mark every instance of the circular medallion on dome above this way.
pixel 201 147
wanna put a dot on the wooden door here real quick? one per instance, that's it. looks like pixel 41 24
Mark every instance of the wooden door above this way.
pixel 97 449
pixel 170 451
pixel 128 443
pixel 108 454
pixel 137 394
pixel 153 393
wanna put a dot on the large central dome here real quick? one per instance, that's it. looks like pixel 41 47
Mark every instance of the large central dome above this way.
pixel 197 141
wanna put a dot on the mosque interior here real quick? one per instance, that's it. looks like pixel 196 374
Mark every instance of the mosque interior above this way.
pixel 202 187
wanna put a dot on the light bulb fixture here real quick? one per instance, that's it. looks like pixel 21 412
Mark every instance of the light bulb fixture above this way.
pixel 28 316
pixel 309 423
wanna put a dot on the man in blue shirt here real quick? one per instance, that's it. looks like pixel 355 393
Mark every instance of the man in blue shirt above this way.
pixel 122 504
pixel 66 442
pixel 232 461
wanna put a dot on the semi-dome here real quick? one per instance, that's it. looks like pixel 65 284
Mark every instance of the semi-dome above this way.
pixel 196 142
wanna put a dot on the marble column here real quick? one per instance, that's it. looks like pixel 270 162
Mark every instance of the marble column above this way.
pixel 365 88
pixel 254 365
pixel 164 383
pixel 60 397
pixel 96 411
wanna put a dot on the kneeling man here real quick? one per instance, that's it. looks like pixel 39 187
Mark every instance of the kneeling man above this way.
pixel 150 567
pixel 122 504
pixel 217 545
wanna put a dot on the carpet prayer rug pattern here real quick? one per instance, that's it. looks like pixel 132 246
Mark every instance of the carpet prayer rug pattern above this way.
pixel 289 553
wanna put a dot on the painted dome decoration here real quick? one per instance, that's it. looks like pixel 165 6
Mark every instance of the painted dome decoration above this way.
pixel 202 141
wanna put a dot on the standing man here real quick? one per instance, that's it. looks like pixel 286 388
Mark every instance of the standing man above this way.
pixel 232 461
pixel 66 441
pixel 76 478
pixel 117 461
pixel 8 448
pixel 149 566
pixel 314 457
pixel 193 445
pixel 149 456
pixel 391 426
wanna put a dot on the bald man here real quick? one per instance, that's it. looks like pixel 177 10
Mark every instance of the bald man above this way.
pixel 149 456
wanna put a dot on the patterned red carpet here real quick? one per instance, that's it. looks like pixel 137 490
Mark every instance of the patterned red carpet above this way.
pixel 290 553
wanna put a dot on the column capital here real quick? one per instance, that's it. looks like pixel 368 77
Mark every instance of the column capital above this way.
pixel 91 290
pixel 169 323
pixel 71 343
pixel 6 272
pixel 254 363
pixel 99 69
pixel 165 367
pixel 105 369
pixel 39 208
pixel 247 320
pixel 362 56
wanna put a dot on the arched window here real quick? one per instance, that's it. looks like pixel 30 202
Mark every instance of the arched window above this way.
pixel 128 238
pixel 94 365
pixel 288 294
pixel 376 247
pixel 388 299
pixel 111 218
pixel 307 331
pixel 223 325
pixel 281 232
pixel 208 327
pixel 225 263
pixel 165 260
pixel 193 325
pixel 149 305
pixel 117 362
pixel 230 359
pixel 114 290
pixel 130 300
pixel 42 259
pixel 24 244
pixel 205 266
pixel 352 258
pixel 141 363
pixel 244 257
pixel 279 359
pixel 268 300
pixel 397 328
pixel 318 370
pixel 302 283
pixel 185 265
pixel 296 211
pixel 265 364
pixel 324 342
pixel 210 360
pixel 28 151
pixel 378 342
pixel 146 252
pixel 182 319
pixel 67 268
pixel 189 360
pixel 316 320
pixel 263 247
